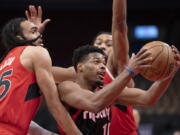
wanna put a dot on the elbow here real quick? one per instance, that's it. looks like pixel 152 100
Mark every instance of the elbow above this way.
pixel 149 103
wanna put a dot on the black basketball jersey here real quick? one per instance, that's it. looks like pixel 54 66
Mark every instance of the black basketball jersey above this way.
pixel 91 123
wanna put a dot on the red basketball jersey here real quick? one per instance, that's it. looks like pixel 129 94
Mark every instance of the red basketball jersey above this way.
pixel 122 122
pixel 19 95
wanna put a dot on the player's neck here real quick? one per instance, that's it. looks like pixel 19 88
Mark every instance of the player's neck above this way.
pixel 85 83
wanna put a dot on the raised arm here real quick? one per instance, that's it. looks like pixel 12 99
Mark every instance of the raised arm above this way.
pixel 42 68
pixel 120 55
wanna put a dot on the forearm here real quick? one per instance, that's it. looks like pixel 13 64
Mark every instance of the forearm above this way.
pixel 57 109
pixel 119 10
pixel 65 121
pixel 119 32
pixel 156 91
pixel 110 92
pixel 63 117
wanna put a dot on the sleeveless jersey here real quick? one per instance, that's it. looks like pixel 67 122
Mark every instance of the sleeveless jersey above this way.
pixel 122 122
pixel 19 95
pixel 91 123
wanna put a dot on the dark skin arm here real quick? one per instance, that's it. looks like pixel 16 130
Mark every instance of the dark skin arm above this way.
pixel 119 57
pixel 75 96
pixel 62 74
pixel 139 97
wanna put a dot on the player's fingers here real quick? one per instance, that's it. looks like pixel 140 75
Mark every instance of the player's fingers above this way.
pixel 144 55
pixel 141 52
pixel 27 15
pixel 43 26
pixel 34 11
pixel 178 63
pixel 45 22
pixel 141 67
pixel 31 10
pixel 133 56
pixel 174 49
pixel 146 61
pixel 39 12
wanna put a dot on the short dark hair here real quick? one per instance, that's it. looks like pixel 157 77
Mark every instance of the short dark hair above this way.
pixel 81 53
pixel 100 33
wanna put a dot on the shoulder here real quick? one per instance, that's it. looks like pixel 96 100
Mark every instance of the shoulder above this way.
pixel 68 85
pixel 37 54
pixel 36 50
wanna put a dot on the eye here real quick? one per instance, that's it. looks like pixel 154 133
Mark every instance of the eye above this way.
pixel 96 61
pixel 109 44
pixel 98 42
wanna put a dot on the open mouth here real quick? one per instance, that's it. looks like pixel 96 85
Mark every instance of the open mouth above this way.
pixel 101 75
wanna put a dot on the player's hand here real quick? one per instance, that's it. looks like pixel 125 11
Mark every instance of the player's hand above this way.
pixel 177 58
pixel 35 16
pixel 140 61
pixel 177 64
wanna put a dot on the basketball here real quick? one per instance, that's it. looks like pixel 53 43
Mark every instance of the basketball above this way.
pixel 163 62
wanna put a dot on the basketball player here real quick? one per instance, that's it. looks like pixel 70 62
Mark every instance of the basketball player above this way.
pixel 85 101
pixel 121 114
pixel 24 68
pixel 35 16
pixel 140 92
pixel 123 122
pixel 83 98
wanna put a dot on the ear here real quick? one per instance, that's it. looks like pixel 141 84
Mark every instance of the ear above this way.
pixel 20 37
pixel 80 67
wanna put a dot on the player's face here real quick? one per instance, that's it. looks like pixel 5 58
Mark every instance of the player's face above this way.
pixel 30 32
pixel 104 41
pixel 94 68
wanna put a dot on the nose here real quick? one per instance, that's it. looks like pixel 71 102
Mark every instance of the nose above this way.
pixel 103 67
pixel 102 46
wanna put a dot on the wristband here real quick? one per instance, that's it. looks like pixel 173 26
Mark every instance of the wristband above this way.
pixel 131 72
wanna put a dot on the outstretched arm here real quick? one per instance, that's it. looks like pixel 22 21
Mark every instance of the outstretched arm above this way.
pixel 78 97
pixel 133 96
pixel 139 97
pixel 120 55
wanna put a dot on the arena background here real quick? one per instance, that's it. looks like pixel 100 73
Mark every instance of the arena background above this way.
pixel 76 23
